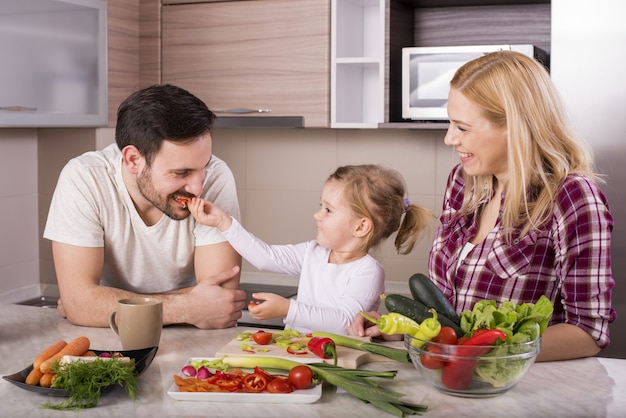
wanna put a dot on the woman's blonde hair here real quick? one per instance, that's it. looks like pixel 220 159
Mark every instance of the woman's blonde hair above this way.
pixel 515 90
pixel 379 194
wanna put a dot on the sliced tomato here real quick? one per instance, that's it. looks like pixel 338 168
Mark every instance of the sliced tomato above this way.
pixel 262 338
pixel 255 382
pixel 279 386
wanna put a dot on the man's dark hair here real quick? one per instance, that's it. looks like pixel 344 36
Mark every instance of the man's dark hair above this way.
pixel 161 112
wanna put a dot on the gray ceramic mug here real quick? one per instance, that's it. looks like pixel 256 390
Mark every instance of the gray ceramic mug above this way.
pixel 138 322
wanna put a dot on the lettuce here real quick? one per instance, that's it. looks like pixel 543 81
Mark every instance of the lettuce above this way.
pixel 522 323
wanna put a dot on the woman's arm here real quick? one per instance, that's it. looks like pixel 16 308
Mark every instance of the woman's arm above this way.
pixel 566 341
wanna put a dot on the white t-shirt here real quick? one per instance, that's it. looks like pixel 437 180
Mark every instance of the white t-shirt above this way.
pixel 329 295
pixel 91 207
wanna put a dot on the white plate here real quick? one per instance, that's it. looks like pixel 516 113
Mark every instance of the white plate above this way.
pixel 297 396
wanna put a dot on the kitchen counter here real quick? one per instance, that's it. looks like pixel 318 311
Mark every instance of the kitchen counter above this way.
pixel 592 387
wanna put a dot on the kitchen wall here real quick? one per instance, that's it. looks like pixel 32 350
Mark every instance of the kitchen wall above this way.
pixel 279 173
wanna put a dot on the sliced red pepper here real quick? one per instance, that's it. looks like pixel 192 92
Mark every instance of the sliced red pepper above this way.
pixel 296 349
pixel 230 385
pixel 262 372
pixel 255 382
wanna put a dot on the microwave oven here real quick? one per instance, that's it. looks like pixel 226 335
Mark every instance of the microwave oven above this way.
pixel 427 71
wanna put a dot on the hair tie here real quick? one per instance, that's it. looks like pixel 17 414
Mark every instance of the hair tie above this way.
pixel 407 204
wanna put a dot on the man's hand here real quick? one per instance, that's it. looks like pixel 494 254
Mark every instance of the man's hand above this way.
pixel 209 306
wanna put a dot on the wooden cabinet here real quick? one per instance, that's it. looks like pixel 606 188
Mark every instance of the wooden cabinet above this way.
pixel 262 54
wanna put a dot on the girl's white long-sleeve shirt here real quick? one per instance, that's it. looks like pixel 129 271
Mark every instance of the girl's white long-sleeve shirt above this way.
pixel 329 295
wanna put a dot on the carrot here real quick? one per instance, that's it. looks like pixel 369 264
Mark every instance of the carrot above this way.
pixel 46 380
pixel 33 377
pixel 48 352
pixel 90 354
pixel 76 347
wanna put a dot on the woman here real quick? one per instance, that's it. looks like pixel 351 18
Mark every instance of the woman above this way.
pixel 522 213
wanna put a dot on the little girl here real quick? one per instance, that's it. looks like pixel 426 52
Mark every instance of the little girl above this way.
pixel 360 206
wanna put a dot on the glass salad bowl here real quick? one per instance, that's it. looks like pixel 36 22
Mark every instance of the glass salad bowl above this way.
pixel 472 371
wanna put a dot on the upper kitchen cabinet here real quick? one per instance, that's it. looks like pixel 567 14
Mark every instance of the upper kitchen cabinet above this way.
pixel 270 56
pixel 54 69
pixel 357 63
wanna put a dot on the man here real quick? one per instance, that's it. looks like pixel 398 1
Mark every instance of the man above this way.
pixel 119 223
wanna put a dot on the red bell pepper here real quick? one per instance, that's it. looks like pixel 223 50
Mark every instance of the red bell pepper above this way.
pixel 323 347
pixel 457 374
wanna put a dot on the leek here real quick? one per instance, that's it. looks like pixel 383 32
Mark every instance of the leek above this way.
pixel 397 354
pixel 356 382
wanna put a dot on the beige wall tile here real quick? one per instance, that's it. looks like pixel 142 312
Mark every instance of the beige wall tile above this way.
pixel 19 256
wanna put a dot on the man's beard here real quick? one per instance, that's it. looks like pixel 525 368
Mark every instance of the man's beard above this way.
pixel 167 205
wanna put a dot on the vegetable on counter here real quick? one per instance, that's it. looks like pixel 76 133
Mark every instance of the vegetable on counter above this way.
pixel 394 323
pixel 323 347
pixel 77 347
pixel 84 380
pixel 426 291
pixel 428 329
pixel 393 353
pixel 358 383
pixel 416 310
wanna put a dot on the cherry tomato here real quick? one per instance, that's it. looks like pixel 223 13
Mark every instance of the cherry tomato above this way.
pixel 430 361
pixel 279 386
pixel 301 377
pixel 447 335
pixel 261 337
pixel 255 382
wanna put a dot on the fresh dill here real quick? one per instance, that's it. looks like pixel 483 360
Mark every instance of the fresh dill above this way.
pixel 84 381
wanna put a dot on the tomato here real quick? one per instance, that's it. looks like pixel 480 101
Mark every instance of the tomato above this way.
pixel 255 382
pixel 447 335
pixel 261 337
pixel 252 304
pixel 279 386
pixel 430 361
pixel 301 377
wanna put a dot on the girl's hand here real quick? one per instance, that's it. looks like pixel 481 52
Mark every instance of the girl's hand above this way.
pixel 273 306
pixel 208 214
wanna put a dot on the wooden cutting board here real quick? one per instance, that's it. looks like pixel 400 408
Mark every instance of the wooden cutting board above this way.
pixel 346 357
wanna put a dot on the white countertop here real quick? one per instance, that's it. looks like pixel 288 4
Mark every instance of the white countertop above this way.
pixel 592 387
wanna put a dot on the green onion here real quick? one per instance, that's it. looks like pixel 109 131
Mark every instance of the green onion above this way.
pixel 397 354
pixel 356 382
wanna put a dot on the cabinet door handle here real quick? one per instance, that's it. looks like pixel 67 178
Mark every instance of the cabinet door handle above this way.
pixel 17 108
pixel 242 111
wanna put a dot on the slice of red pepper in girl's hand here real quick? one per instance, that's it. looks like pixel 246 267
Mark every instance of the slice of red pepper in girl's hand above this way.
pixel 323 347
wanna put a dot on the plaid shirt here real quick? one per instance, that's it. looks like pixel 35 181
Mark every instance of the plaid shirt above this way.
pixel 569 260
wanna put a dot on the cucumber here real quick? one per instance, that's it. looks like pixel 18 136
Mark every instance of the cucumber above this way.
pixel 417 311
pixel 424 290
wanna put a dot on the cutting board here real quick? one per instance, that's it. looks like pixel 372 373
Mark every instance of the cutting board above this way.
pixel 346 357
